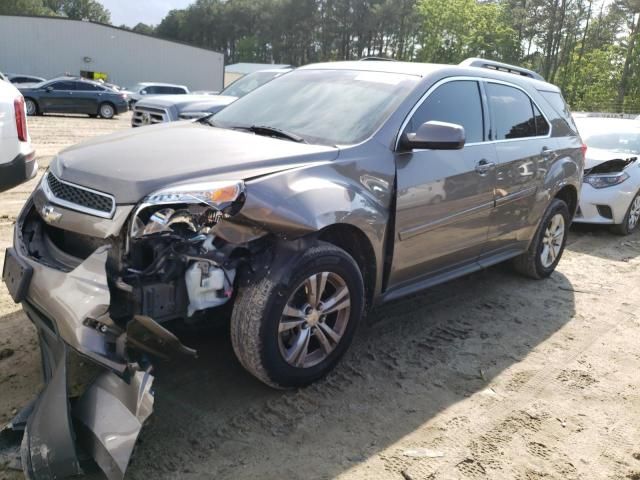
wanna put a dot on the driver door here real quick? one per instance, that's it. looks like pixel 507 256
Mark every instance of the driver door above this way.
pixel 444 197
pixel 59 97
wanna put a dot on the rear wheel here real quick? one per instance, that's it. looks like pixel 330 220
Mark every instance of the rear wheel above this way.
pixel 292 333
pixel 547 246
pixel 631 219
pixel 107 111
pixel 31 106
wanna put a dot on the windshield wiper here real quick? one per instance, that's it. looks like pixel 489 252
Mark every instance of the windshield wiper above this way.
pixel 273 132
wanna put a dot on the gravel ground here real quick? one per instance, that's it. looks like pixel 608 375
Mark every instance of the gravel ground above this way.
pixel 490 376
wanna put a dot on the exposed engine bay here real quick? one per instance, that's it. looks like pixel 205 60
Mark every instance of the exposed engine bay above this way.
pixel 166 263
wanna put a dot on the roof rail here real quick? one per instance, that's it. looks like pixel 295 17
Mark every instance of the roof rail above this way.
pixel 376 59
pixel 501 67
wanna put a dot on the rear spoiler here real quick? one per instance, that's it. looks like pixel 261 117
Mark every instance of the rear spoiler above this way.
pixel 501 67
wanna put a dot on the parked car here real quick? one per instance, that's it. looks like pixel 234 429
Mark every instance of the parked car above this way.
pixel 74 95
pixel 17 157
pixel 611 188
pixel 140 90
pixel 301 206
pixel 170 108
pixel 24 80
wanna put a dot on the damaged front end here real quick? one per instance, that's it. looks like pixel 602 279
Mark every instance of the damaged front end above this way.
pixel 99 301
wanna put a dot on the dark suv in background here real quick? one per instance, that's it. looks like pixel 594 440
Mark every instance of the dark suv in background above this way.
pixel 300 206
pixel 74 95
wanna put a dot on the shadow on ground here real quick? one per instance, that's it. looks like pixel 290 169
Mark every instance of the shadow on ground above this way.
pixel 413 359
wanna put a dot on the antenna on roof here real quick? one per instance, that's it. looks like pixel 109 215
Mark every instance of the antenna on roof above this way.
pixel 501 67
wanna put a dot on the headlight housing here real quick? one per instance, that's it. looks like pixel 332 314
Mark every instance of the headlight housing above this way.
pixel 218 195
pixel 193 208
pixel 606 180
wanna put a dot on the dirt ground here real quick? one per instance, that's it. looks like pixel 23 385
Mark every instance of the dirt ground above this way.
pixel 490 376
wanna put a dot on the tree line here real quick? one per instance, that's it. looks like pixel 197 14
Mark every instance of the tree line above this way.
pixel 590 48
pixel 587 47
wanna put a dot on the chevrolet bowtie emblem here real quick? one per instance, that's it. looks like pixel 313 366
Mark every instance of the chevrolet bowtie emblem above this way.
pixel 50 215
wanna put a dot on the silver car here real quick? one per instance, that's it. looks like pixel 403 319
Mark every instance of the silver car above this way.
pixel 288 214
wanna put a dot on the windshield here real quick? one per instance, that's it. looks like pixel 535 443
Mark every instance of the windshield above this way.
pixel 623 142
pixel 248 83
pixel 137 87
pixel 329 107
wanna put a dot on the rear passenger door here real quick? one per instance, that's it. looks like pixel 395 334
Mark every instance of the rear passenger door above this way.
pixel 88 97
pixel 444 197
pixel 521 135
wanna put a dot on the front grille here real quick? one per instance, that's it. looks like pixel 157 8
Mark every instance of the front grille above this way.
pixel 148 116
pixel 80 198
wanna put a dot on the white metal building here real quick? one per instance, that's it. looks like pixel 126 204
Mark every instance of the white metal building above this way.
pixel 49 47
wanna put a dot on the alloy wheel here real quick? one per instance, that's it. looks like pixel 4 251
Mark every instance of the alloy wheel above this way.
pixel 314 320
pixel 31 107
pixel 634 213
pixel 552 240
pixel 106 111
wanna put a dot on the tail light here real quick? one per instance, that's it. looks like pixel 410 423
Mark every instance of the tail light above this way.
pixel 21 119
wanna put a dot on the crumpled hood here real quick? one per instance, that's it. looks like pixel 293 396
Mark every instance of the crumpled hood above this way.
pixel 179 101
pixel 596 156
pixel 133 163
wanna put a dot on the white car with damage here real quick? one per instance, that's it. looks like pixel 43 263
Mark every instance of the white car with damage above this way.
pixel 611 189
pixel 17 157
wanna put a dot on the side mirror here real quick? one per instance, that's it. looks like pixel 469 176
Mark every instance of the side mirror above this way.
pixel 48 89
pixel 143 92
pixel 436 136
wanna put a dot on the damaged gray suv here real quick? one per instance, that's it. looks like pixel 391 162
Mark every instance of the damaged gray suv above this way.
pixel 293 212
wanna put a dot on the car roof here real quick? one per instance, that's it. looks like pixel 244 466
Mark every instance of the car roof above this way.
pixel 426 69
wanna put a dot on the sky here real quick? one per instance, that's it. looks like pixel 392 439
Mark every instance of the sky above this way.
pixel 132 12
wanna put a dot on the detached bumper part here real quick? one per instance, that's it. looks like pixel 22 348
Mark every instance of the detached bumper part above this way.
pixel 65 427
pixel 104 422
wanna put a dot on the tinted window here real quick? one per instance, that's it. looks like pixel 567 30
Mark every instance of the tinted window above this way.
pixel 542 127
pixel 63 86
pixel 454 102
pixel 556 100
pixel 512 112
pixel 176 90
pixel 90 87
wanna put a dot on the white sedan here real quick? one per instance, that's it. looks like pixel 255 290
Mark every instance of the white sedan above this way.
pixel 611 189
pixel 17 157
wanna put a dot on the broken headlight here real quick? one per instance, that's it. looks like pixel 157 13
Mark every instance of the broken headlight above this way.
pixel 606 180
pixel 193 208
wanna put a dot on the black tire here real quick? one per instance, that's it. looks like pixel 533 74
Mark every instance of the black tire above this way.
pixel 530 263
pixel 107 110
pixel 31 106
pixel 625 228
pixel 259 308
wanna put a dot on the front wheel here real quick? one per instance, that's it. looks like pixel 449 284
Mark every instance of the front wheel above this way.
pixel 107 111
pixel 31 107
pixel 631 219
pixel 292 333
pixel 547 246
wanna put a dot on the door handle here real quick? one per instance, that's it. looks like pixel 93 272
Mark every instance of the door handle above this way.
pixel 483 166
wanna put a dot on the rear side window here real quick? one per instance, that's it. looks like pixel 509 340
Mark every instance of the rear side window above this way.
pixel 557 102
pixel 514 114
pixel 177 90
pixel 454 102
pixel 63 86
